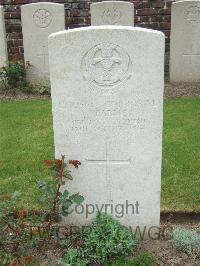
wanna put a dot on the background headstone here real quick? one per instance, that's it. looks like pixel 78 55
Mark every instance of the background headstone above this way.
pixel 107 94
pixel 3 46
pixel 39 20
pixel 185 39
pixel 112 13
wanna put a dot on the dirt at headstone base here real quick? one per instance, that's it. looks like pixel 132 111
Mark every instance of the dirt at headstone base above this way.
pixel 179 90
pixel 162 249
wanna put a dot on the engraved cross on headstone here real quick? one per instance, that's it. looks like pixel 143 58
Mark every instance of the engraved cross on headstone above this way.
pixel 108 161
pixel 44 54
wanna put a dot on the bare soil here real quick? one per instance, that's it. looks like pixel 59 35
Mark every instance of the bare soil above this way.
pixel 181 90
pixel 19 95
pixel 162 248
pixel 167 255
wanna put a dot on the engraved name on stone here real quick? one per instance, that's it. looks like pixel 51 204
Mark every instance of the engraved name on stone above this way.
pixel 42 18
pixel 106 65
pixel 111 16
pixel 110 116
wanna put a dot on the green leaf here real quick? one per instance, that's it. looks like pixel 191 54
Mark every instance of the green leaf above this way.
pixel 66 204
pixel 65 194
pixel 76 198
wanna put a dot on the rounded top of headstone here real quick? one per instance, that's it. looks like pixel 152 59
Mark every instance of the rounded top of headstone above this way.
pixel 112 2
pixel 108 27
pixel 186 2
pixel 40 4
pixel 112 13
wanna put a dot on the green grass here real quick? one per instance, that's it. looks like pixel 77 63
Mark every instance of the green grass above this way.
pixel 181 155
pixel 26 140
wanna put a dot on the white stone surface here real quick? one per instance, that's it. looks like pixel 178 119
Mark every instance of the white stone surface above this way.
pixel 112 13
pixel 185 39
pixel 3 46
pixel 107 94
pixel 39 20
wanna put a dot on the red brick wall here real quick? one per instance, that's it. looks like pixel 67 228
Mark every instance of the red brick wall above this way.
pixel 152 14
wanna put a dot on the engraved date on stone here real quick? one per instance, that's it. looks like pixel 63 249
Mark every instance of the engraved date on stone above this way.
pixel 85 125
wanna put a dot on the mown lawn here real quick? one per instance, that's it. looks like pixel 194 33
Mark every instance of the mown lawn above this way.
pixel 181 155
pixel 26 140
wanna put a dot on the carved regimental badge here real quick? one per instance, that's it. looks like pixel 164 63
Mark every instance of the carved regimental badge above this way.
pixel 111 16
pixel 192 13
pixel 106 65
pixel 42 18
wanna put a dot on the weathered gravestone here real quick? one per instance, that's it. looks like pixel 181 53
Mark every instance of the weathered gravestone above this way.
pixel 39 20
pixel 3 46
pixel 112 13
pixel 185 39
pixel 107 93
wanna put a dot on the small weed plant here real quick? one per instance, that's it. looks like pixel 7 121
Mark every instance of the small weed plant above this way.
pixel 13 74
pixel 186 240
pixel 104 239
pixel 43 87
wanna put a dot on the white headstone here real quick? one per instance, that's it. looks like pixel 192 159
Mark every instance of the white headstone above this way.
pixel 185 39
pixel 3 46
pixel 112 13
pixel 107 94
pixel 39 20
